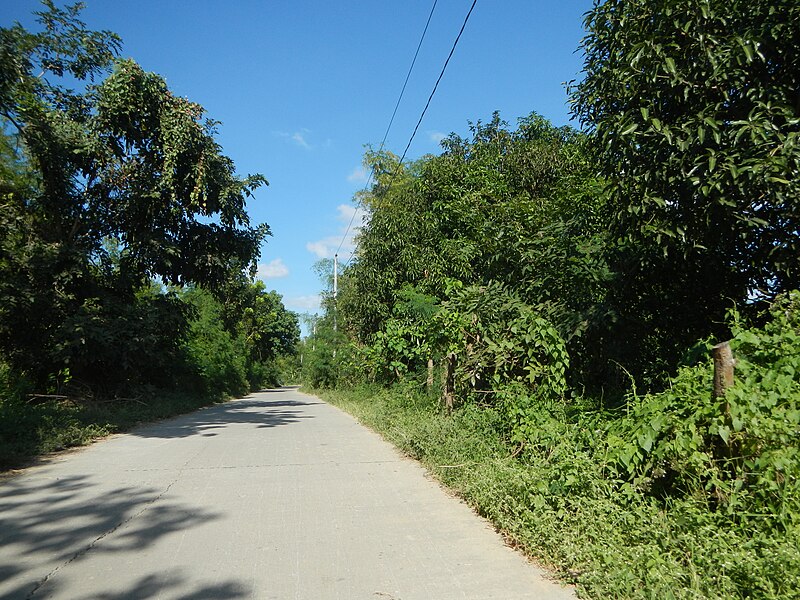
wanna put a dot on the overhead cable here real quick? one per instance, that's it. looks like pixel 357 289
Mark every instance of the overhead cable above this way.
pixel 388 128
pixel 424 110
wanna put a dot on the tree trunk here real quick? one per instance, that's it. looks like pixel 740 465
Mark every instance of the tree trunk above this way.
pixel 429 383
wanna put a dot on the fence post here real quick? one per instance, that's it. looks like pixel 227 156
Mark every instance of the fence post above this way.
pixel 723 368
pixel 449 380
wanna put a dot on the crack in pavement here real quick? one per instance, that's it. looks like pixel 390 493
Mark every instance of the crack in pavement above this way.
pixel 105 534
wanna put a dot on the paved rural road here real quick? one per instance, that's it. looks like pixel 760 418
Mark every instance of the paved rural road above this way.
pixel 277 495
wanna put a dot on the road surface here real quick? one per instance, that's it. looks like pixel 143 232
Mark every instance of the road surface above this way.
pixel 274 496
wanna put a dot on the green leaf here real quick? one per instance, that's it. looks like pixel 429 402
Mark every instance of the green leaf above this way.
pixel 630 129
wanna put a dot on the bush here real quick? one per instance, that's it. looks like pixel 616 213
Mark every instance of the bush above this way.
pixel 329 359
pixel 216 361
pixel 501 341
pixel 263 375
pixel 118 342
pixel 739 455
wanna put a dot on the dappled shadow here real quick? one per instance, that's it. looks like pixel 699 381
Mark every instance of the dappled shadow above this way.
pixel 45 523
pixel 252 410
pixel 171 584
pixel 289 403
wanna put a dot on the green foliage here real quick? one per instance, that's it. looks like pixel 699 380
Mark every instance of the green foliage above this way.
pixel 414 334
pixel 289 368
pixel 519 213
pixel 396 349
pixel 108 183
pixel 550 266
pixel 693 110
pixel 217 359
pixel 158 147
pixel 114 343
pixel 738 455
pixel 502 340
pixel 121 158
pixel 473 214
pixel 694 105
pixel 328 359
pixel 261 318
pixel 566 498
pixel 268 331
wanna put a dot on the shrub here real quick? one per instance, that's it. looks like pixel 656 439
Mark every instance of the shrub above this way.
pixel 740 454
pixel 216 358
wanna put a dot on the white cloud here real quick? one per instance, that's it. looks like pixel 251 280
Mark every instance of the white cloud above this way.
pixel 348 212
pixel 436 136
pixel 359 175
pixel 303 303
pixel 299 138
pixel 272 270
pixel 326 247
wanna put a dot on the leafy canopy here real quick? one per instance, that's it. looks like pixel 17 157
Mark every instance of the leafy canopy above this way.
pixel 695 108
pixel 108 181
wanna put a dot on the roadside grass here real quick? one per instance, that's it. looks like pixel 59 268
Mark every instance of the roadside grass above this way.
pixel 28 431
pixel 555 501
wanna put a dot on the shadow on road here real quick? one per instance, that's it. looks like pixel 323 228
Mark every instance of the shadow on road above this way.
pixel 154 586
pixel 247 411
pixel 46 523
pixel 171 585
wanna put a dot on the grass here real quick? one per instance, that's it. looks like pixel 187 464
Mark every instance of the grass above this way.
pixel 555 502
pixel 28 431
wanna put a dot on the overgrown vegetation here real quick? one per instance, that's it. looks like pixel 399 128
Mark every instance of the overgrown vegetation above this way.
pixel 533 309
pixel 30 429
pixel 671 496
pixel 126 252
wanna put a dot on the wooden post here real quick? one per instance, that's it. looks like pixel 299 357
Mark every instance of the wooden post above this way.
pixel 430 374
pixel 449 381
pixel 723 368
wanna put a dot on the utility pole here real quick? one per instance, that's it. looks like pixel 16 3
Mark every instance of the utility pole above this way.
pixel 335 291
pixel 335 286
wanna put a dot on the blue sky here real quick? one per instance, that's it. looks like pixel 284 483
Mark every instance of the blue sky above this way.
pixel 301 86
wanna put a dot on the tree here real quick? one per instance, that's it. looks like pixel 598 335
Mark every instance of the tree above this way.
pixel 123 159
pixel 261 318
pixel 695 110
pixel 519 210
pixel 395 246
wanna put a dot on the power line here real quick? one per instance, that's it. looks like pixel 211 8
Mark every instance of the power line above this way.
pixel 428 103
pixel 424 110
pixel 394 113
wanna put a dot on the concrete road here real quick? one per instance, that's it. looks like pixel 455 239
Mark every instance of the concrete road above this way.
pixel 277 495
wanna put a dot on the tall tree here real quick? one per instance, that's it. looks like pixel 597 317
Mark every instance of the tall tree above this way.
pixel 695 110
pixel 122 158
pixel 520 208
